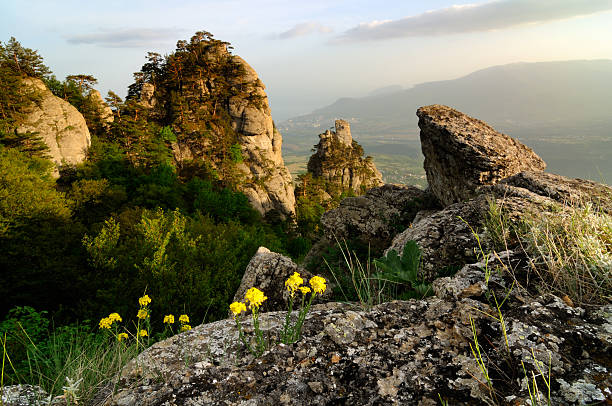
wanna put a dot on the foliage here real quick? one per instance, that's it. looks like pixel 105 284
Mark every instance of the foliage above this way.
pixel 24 61
pixel 403 272
pixel 27 194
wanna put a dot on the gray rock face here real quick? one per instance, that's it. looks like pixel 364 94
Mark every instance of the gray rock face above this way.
pixel 59 124
pixel 339 161
pixel 463 153
pixel 564 190
pixel 24 395
pixel 268 271
pixel 447 237
pixel 377 216
pixel 402 352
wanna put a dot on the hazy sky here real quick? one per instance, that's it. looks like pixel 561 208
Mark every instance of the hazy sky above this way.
pixel 309 53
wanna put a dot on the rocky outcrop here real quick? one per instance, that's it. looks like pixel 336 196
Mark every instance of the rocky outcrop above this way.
pixel 463 153
pixel 268 272
pixel 58 123
pixel 564 190
pixel 376 217
pixel 24 395
pixel 402 352
pixel 339 161
pixel 225 120
pixel 103 111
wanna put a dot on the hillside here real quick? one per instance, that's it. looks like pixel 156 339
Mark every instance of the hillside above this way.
pixel 560 108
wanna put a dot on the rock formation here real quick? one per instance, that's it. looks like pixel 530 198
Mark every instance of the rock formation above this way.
pixel 339 161
pixel 402 352
pixel 223 107
pixel 268 272
pixel 462 153
pixel 376 217
pixel 104 112
pixel 58 123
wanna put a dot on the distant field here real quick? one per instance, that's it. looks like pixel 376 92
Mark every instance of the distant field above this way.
pixel 402 161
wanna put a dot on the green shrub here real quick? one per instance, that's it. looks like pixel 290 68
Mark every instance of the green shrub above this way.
pixel 403 272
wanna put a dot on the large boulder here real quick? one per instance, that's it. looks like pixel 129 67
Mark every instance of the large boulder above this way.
pixel 268 271
pixel 376 217
pixel 58 123
pixel 463 153
pixel 402 352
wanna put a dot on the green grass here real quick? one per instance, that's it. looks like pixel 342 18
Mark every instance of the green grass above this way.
pixel 73 361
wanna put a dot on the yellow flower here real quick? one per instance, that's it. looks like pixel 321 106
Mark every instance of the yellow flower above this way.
pixel 169 319
pixel 318 284
pixel 122 336
pixel 142 314
pixel 185 327
pixel 143 333
pixel 183 318
pixel 304 289
pixel 106 322
pixel 115 317
pixel 292 284
pixel 145 300
pixel 255 297
pixel 237 308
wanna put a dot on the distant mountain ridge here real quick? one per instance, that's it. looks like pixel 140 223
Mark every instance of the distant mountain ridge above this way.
pixel 563 110
pixel 515 95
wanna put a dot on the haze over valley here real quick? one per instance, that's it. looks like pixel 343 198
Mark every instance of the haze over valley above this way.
pixel 560 109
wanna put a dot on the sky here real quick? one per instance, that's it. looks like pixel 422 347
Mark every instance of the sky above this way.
pixel 310 53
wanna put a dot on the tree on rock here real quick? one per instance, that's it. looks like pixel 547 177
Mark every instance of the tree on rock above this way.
pixel 85 82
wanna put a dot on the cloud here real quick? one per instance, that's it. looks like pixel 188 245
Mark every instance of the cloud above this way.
pixel 127 38
pixel 302 29
pixel 489 16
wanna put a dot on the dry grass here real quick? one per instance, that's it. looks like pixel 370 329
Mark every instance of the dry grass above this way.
pixel 570 249
pixel 572 252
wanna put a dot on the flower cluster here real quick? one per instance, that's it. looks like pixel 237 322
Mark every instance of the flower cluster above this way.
pixel 107 322
pixel 237 308
pixel 255 297
pixel 184 320
pixel 293 331
pixel 293 283
pixel 169 319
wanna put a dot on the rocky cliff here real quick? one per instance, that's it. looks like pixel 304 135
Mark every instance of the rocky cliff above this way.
pixel 339 161
pixel 58 123
pixel 217 106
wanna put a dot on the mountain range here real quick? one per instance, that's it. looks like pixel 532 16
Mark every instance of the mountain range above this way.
pixel 561 109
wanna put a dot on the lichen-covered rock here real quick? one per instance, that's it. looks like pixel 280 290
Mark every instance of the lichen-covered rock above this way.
pixel 463 153
pixel 24 395
pixel 376 217
pixel 564 190
pixel 58 123
pixel 339 161
pixel 268 271
pixel 448 238
pixel 402 352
